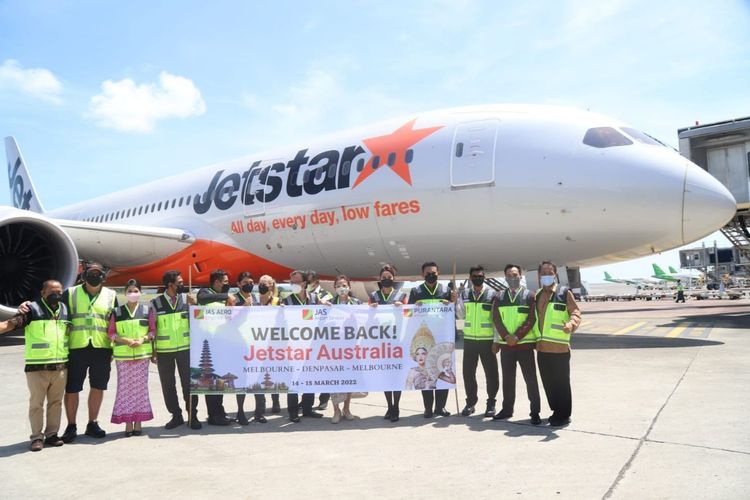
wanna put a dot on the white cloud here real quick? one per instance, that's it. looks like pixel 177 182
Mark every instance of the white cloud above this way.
pixel 36 82
pixel 125 106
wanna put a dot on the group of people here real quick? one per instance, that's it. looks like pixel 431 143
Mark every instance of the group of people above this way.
pixel 75 333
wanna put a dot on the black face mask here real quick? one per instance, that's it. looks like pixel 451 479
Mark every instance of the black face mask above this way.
pixel 263 289
pixel 477 281
pixel 181 289
pixel 53 299
pixel 224 288
pixel 431 278
pixel 247 288
pixel 94 279
pixel 386 283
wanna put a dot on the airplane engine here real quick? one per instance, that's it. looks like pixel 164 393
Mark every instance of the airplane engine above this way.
pixel 32 249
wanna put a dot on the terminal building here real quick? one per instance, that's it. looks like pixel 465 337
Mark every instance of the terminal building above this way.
pixel 723 149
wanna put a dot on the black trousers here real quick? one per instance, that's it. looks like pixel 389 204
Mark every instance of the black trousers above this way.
pixel 215 406
pixel 554 368
pixel 475 350
pixel 292 403
pixel 324 397
pixel 439 396
pixel 525 358
pixel 260 404
pixel 166 362
pixel 393 398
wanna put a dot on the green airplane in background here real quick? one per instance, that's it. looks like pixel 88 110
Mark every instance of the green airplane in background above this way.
pixel 674 275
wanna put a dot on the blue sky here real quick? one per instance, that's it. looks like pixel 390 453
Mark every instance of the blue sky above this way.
pixel 105 95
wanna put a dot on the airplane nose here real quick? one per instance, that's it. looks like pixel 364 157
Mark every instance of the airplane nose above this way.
pixel 707 205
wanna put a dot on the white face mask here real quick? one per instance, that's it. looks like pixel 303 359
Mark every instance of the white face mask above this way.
pixel 342 290
pixel 296 288
pixel 133 296
pixel 547 280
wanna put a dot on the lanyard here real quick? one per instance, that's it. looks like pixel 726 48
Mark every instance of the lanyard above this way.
pixel 55 314
pixel 169 301
pixel 386 299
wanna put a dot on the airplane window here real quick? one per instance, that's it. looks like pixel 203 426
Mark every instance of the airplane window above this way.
pixel 391 159
pixel 174 202
pixel 159 207
pixel 153 207
pixel 331 173
pixel 347 166
pixel 188 200
pixel 320 173
pixel 360 164
pixel 409 155
pixel 459 149
pixel 306 177
pixel 127 214
pixel 181 200
pixel 605 137
pixel 140 210
pixel 375 162
pixel 641 136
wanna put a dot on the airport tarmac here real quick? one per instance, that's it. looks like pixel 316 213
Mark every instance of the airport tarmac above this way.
pixel 661 394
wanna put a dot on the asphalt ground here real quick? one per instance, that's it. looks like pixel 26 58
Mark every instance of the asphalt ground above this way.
pixel 661 397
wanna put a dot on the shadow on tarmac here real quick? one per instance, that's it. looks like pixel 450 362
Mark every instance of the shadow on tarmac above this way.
pixel 600 341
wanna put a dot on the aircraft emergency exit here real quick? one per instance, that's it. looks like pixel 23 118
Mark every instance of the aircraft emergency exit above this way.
pixel 483 184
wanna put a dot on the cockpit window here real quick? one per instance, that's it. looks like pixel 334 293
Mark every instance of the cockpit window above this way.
pixel 605 137
pixel 642 137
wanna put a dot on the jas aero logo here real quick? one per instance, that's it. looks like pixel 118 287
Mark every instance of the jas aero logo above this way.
pixel 198 314
pixel 408 313
pixel 308 314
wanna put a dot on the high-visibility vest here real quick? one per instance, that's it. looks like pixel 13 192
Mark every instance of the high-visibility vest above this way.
pixel 90 319
pixel 172 323
pixel 132 326
pixel 555 318
pixel 378 297
pixel 353 301
pixel 46 336
pixel 425 296
pixel 478 321
pixel 513 313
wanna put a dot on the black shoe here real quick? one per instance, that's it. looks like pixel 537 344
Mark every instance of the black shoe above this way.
pixel 260 419
pixel 294 418
pixel 195 424
pixel 276 407
pixel 558 422
pixel 503 415
pixel 137 432
pixel 322 406
pixel 442 412
pixel 387 415
pixel 221 421
pixel 394 415
pixel 313 414
pixel 242 419
pixel 490 410
pixel 535 420
pixel 70 434
pixel 428 414
pixel 468 410
pixel 128 434
pixel 53 440
pixel 93 430
pixel 176 421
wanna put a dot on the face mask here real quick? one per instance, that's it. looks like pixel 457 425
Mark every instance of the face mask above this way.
pixel 133 296
pixel 182 289
pixel 53 299
pixel 94 279
pixel 247 288
pixel 547 280
pixel 477 281
pixel 311 288
pixel 263 289
pixel 296 288
pixel 342 290
pixel 431 278
pixel 224 288
pixel 386 283
pixel 513 282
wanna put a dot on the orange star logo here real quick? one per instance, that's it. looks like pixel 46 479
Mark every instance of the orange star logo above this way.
pixel 393 147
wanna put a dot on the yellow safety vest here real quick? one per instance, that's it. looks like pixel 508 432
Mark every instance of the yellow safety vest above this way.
pixel 89 318
pixel 172 324
pixel 514 311
pixel 132 326
pixel 555 318
pixel 46 336
pixel 478 321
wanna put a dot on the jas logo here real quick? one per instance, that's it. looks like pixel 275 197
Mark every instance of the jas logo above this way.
pixel 20 198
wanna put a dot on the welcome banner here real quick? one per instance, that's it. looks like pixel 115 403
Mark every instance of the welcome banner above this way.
pixel 321 348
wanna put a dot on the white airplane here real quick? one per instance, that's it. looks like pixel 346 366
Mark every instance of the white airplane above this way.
pixel 686 275
pixel 645 282
pixel 483 184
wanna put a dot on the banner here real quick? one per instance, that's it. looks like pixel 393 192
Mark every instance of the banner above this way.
pixel 321 348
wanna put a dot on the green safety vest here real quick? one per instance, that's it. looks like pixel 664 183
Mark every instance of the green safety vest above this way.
pixel 478 321
pixel 134 327
pixel 422 294
pixel 172 323
pixel 555 318
pixel 513 313
pixel 46 336
pixel 90 318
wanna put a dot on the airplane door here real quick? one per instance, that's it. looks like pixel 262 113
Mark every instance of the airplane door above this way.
pixel 473 153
